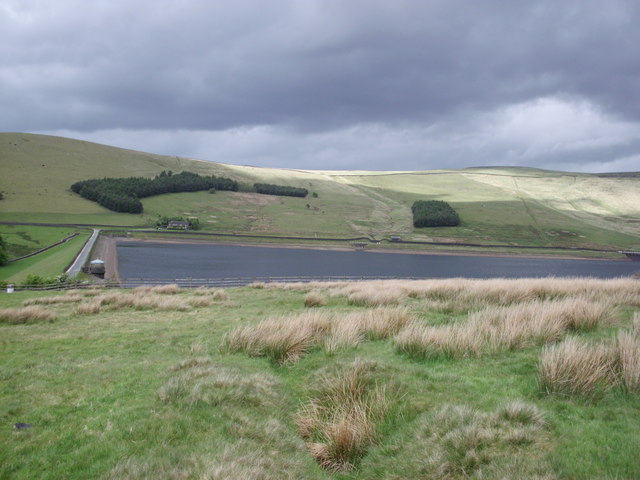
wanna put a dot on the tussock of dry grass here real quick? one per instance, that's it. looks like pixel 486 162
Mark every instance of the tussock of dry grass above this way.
pixel 588 369
pixel 314 299
pixel 59 299
pixel 170 289
pixel 467 294
pixel 219 294
pixel 147 301
pixel 376 297
pixel 285 340
pixel 199 302
pixel 214 293
pixel 199 382
pixel 497 328
pixel 30 314
pixel 341 423
pixel 575 367
pixel 628 349
pixel 88 308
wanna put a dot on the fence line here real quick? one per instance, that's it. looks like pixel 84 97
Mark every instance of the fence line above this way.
pixel 204 282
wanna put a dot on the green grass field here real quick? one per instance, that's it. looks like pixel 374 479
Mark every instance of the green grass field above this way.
pixel 496 205
pixel 47 264
pixel 118 388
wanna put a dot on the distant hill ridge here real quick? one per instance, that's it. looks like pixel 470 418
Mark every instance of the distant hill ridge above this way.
pixel 511 205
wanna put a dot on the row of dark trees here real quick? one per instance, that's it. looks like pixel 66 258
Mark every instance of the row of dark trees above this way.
pixel 434 213
pixel 282 190
pixel 124 194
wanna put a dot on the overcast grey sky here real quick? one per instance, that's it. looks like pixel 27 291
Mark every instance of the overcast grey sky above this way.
pixel 332 84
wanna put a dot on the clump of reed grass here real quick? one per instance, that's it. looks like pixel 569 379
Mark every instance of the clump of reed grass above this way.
pixel 30 314
pixel 214 293
pixel 576 368
pixel 628 364
pixel 88 308
pixel 59 299
pixel 283 340
pixel 342 422
pixel 147 301
pixel 199 302
pixel 219 294
pixel 498 328
pixel 170 289
pixel 375 297
pixel 314 299
pixel 199 382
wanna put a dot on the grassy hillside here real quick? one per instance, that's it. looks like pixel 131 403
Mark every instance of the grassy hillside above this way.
pixel 495 379
pixel 496 205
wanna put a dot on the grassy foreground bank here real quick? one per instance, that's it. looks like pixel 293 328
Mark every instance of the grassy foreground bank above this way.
pixel 423 379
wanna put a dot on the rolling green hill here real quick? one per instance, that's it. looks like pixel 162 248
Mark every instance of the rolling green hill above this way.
pixel 519 206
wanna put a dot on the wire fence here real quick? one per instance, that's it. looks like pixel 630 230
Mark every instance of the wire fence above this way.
pixel 198 282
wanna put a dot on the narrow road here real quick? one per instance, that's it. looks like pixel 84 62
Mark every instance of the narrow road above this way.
pixel 82 257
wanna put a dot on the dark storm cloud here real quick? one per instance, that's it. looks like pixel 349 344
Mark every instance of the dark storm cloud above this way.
pixel 308 69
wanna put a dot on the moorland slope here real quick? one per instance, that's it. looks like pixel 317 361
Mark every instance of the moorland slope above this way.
pixel 511 206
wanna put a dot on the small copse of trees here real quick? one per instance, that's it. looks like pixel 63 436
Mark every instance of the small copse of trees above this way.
pixel 124 194
pixel 282 190
pixel 434 213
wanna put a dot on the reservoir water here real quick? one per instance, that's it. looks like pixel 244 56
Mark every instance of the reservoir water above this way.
pixel 166 261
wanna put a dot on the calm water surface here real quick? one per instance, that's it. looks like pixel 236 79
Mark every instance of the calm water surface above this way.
pixel 171 261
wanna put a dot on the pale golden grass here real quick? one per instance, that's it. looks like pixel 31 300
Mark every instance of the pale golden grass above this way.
pixel 214 293
pixel 344 334
pixel 497 328
pixel 60 299
pixel 372 296
pixel 314 299
pixel 143 301
pixel 576 367
pixel 199 302
pixel 341 423
pixel 628 350
pixel 462 293
pixel 197 381
pixel 284 340
pixel 170 289
pixel 88 308
pixel 219 294
pixel 30 314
